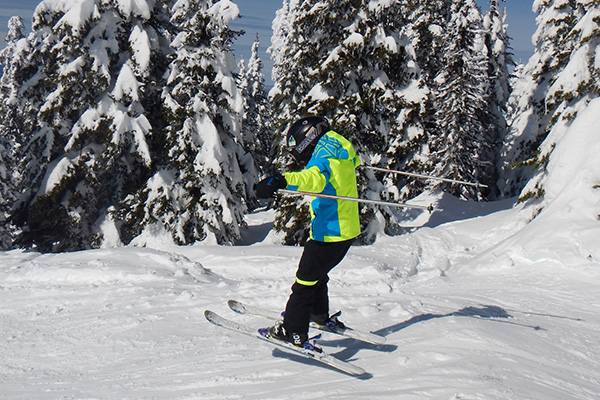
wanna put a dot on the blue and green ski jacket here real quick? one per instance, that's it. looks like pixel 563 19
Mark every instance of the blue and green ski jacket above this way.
pixel 331 170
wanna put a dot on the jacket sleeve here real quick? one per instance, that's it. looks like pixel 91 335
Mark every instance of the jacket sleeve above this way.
pixel 308 180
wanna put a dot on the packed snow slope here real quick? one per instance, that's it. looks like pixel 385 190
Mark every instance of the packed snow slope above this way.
pixel 476 302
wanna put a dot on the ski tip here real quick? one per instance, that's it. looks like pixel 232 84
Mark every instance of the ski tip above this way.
pixel 210 315
pixel 232 303
pixel 236 306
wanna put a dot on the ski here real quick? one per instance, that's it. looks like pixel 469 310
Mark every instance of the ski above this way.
pixel 310 351
pixel 367 337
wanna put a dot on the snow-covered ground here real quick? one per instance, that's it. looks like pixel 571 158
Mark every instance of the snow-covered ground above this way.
pixel 477 302
pixel 462 321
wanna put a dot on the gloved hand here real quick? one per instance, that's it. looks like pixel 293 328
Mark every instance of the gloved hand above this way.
pixel 268 187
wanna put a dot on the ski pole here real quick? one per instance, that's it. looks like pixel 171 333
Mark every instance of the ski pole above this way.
pixel 367 201
pixel 424 176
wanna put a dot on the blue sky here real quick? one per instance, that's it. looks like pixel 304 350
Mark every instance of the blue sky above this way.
pixel 257 16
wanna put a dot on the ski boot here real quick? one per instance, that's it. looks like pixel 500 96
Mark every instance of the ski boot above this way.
pixel 279 332
pixel 332 323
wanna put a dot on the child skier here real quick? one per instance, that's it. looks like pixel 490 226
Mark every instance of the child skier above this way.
pixel 330 163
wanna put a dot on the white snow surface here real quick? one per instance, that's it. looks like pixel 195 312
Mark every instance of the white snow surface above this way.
pixel 476 302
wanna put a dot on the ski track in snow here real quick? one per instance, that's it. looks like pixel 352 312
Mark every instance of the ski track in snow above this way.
pixel 461 321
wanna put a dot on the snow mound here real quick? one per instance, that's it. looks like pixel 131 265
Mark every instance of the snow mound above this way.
pixel 115 267
pixel 566 229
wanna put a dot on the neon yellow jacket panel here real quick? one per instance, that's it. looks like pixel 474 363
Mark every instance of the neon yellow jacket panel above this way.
pixel 331 170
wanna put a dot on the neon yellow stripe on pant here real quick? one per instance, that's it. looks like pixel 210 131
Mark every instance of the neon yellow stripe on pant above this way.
pixel 306 283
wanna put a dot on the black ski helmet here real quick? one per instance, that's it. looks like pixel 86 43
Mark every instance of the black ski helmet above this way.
pixel 303 135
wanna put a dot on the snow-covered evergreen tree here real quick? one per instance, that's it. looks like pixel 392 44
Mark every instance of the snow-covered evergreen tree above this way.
pixel 97 62
pixel 499 61
pixel 500 57
pixel 460 145
pixel 6 192
pixel 281 28
pixel 11 60
pixel 560 79
pixel 132 120
pixel 425 28
pixel 200 189
pixel 347 61
pixel 256 124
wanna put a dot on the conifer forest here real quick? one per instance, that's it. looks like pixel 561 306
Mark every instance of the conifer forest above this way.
pixel 126 117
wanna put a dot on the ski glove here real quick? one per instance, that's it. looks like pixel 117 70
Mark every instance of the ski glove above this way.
pixel 268 187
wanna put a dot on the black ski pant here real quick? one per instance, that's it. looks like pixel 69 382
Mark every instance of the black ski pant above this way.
pixel 309 292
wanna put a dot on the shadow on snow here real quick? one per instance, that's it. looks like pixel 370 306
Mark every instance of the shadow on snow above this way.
pixel 491 313
pixel 351 347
